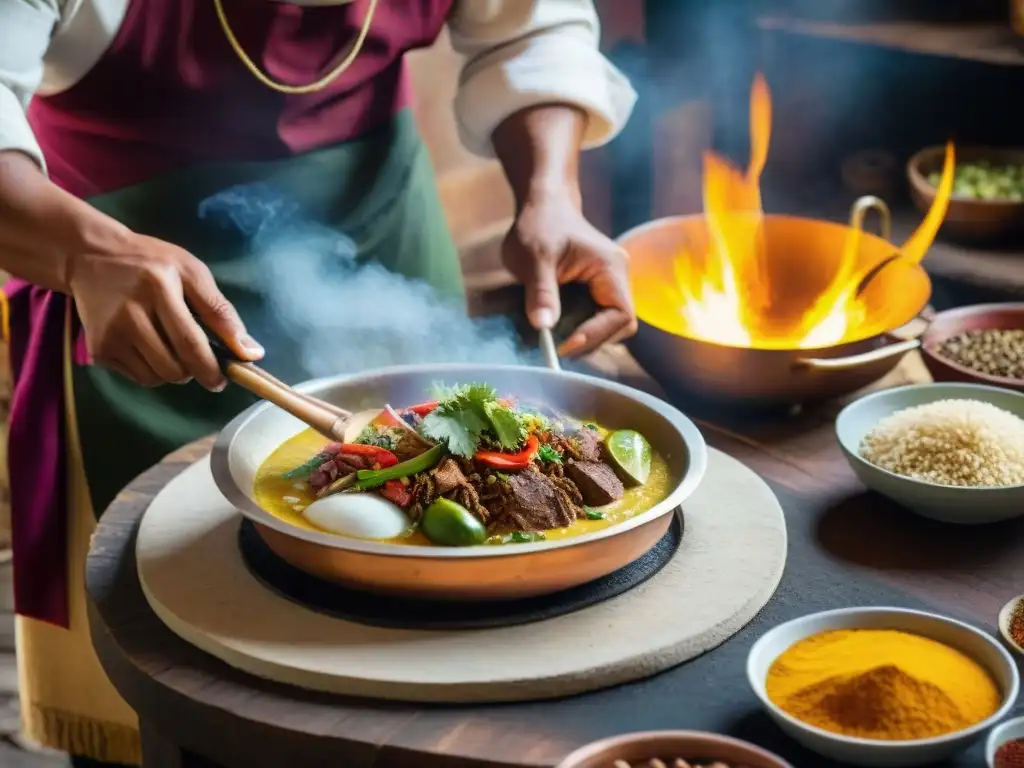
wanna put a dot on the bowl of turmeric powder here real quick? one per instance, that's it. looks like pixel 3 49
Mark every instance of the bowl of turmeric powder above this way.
pixel 877 686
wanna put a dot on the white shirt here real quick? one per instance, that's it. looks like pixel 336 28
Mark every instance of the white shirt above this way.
pixel 518 53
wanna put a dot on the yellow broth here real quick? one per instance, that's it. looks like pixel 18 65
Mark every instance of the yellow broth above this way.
pixel 285 499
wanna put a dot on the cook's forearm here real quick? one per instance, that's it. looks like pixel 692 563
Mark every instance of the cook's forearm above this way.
pixel 539 148
pixel 42 227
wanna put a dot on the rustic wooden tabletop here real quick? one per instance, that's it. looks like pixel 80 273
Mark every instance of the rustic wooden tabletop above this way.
pixel 846 547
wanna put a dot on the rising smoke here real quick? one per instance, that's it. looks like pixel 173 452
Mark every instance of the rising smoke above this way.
pixel 334 314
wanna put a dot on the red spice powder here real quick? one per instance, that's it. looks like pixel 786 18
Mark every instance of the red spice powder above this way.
pixel 1010 755
pixel 1017 624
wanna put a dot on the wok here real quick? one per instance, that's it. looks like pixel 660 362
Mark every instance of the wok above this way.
pixel 803 256
pixel 464 573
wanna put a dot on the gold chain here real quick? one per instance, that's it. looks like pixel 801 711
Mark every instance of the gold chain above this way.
pixel 320 84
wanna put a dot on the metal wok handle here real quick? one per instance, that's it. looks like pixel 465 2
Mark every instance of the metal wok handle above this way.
pixel 856 361
pixel 860 209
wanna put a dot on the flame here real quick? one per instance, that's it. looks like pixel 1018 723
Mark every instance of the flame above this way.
pixel 725 285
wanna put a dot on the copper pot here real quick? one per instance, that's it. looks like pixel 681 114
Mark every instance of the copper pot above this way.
pixel 464 573
pixel 804 254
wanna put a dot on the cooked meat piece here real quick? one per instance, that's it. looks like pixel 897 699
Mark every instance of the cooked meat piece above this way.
pixel 448 476
pixel 588 443
pixel 424 489
pixel 597 482
pixel 325 475
pixel 468 497
pixel 534 503
pixel 568 487
pixel 352 462
pixel 409 446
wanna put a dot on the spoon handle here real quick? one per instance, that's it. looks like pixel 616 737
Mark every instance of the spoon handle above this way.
pixel 327 419
pixel 549 350
pixel 307 410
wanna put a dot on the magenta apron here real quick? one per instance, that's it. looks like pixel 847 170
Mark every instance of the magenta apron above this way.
pixel 168 117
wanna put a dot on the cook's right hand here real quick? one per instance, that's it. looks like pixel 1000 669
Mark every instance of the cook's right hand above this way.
pixel 134 303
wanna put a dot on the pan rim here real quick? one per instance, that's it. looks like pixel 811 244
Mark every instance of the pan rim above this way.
pixel 689 433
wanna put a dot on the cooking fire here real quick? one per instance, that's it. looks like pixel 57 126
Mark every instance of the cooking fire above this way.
pixel 732 285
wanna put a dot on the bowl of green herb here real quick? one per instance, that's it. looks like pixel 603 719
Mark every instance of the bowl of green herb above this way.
pixel 988 191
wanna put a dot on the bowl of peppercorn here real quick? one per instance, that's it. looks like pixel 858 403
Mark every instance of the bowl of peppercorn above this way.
pixel 979 344
pixel 1011 624
pixel 1005 747
pixel 672 749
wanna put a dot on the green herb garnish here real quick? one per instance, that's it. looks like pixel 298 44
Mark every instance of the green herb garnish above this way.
pixel 387 439
pixel 594 514
pixel 522 537
pixel 507 426
pixel 464 413
pixel 591 425
pixel 549 455
pixel 306 468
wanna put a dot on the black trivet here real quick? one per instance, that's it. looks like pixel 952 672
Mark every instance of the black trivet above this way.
pixel 405 613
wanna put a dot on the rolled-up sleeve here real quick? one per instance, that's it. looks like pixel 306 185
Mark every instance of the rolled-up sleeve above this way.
pixel 522 53
pixel 25 30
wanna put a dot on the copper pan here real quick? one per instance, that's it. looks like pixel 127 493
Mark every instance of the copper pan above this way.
pixel 464 573
pixel 803 255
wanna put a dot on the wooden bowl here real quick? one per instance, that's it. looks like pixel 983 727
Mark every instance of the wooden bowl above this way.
pixel 968 220
pixel 638 748
pixel 953 322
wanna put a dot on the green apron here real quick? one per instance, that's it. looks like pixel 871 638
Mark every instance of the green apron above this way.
pixel 379 191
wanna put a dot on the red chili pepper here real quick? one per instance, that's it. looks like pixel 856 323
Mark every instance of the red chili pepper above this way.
pixel 396 493
pixel 381 456
pixel 519 460
pixel 422 409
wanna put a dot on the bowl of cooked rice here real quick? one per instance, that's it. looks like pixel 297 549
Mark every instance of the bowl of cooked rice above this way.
pixel 950 452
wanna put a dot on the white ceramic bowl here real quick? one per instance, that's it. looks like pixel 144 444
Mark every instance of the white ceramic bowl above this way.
pixel 949 504
pixel 1002 733
pixel 870 752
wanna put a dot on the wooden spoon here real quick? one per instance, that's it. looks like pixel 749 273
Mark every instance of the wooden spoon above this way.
pixel 327 419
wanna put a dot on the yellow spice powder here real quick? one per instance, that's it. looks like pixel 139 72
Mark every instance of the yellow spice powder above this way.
pixel 881 684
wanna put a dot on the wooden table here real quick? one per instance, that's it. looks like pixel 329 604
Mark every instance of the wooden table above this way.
pixel 846 547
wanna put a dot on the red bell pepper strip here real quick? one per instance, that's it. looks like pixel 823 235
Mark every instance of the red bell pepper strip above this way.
pixel 519 460
pixel 379 456
pixel 422 409
pixel 396 493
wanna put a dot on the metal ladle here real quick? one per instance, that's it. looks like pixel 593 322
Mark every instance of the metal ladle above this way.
pixel 549 350
pixel 874 272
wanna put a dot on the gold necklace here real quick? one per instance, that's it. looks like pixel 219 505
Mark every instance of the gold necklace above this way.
pixel 320 84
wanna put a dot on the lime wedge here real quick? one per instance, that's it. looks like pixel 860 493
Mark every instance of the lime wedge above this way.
pixel 630 455
pixel 450 524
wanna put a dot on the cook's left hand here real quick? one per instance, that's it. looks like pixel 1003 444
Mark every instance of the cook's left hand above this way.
pixel 551 243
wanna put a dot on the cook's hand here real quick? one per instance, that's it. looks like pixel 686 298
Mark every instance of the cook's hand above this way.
pixel 132 303
pixel 552 243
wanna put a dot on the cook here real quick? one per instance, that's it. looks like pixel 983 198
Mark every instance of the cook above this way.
pixel 144 108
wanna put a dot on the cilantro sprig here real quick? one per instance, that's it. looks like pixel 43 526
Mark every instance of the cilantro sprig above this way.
pixel 467 413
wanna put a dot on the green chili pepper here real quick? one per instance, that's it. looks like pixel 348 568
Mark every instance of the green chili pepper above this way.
pixel 374 478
